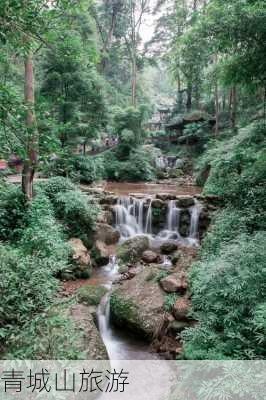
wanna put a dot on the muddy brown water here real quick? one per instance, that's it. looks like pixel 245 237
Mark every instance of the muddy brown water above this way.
pixel 150 189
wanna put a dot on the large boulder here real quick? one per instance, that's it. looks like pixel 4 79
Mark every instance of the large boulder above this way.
pixel 91 295
pixel 149 257
pixel 185 201
pixel 89 341
pixel 81 255
pixel 101 253
pixel 106 234
pixel 175 283
pixel 168 247
pixel 132 249
pixel 157 203
pixel 138 305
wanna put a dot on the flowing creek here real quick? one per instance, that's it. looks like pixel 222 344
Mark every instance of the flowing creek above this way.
pixel 134 216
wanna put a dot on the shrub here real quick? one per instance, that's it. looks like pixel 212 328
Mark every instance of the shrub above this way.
pixel 56 185
pixel 77 211
pixel 43 236
pixel 27 286
pixel 229 302
pixel 139 167
pixel 86 169
pixel 12 212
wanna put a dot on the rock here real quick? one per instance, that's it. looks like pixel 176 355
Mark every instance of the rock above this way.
pixel 105 217
pixel 89 340
pixel 181 308
pixel 176 257
pixel 174 283
pixel 138 305
pixel 132 249
pixel 150 257
pixel 185 201
pixel 168 247
pixel 165 196
pixel 157 203
pixel 106 234
pixel 81 255
pixel 109 199
pixel 184 222
pixel 176 327
pixel 101 253
pixel 91 295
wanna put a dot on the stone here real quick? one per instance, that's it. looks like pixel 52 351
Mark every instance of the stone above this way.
pixel 174 283
pixel 168 247
pixel 81 255
pixel 101 253
pixel 109 199
pixel 165 196
pixel 176 327
pixel 185 201
pixel 132 249
pixel 184 222
pixel 157 203
pixel 138 305
pixel 106 234
pixel 175 257
pixel 150 257
pixel 89 340
pixel 105 217
pixel 91 295
pixel 181 308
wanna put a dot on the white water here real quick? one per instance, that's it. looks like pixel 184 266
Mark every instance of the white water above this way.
pixel 119 345
pixel 134 217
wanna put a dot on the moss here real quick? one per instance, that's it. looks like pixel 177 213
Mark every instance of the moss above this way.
pixel 91 295
pixel 124 313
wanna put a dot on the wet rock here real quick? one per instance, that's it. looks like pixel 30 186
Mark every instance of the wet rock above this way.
pixel 165 196
pixel 176 327
pixel 184 223
pixel 150 257
pixel 175 283
pixel 138 305
pixel 157 203
pixel 101 253
pixel 105 217
pixel 175 257
pixel 185 201
pixel 91 295
pixel 81 255
pixel 109 199
pixel 181 308
pixel 89 341
pixel 132 249
pixel 168 247
pixel 106 234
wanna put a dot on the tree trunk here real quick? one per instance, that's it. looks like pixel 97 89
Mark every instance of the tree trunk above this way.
pixel 217 108
pixel 233 108
pixel 30 162
pixel 189 97
pixel 134 81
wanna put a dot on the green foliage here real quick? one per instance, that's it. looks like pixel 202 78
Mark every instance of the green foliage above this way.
pixel 27 286
pixel 43 236
pixel 86 169
pixel 77 211
pixel 91 295
pixel 169 301
pixel 49 336
pixel 12 212
pixel 56 185
pixel 228 301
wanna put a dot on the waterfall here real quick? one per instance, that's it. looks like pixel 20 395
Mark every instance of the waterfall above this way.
pixel 173 216
pixel 130 217
pixel 148 226
pixel 194 221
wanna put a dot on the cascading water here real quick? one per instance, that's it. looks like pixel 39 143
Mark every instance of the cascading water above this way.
pixel 195 212
pixel 131 218
pixel 173 217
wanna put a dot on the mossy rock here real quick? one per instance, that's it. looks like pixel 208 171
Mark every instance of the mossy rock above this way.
pixel 131 250
pixel 91 295
pixel 124 313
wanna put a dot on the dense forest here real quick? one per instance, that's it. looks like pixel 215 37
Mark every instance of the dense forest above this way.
pixel 132 140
